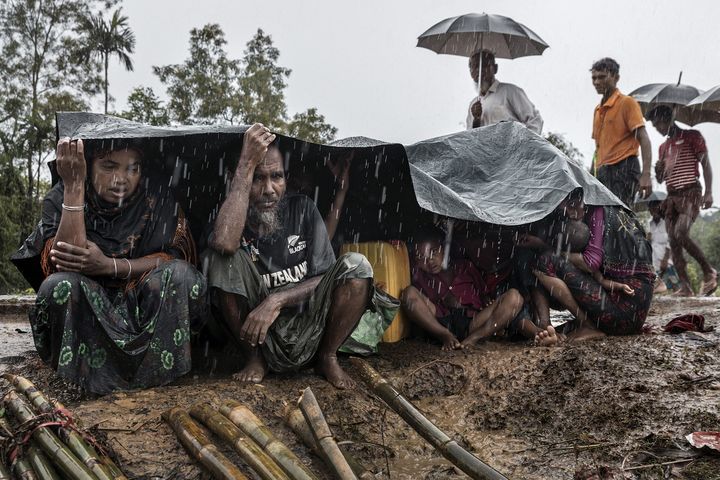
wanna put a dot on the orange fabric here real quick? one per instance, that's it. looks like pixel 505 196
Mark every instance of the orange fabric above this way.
pixel 45 264
pixel 183 242
pixel 614 125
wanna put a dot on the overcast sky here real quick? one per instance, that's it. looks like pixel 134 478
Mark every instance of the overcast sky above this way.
pixel 358 64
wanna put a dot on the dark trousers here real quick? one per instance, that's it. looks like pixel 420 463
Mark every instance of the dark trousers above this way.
pixel 621 179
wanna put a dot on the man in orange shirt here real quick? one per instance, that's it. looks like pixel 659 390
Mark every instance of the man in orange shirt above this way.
pixel 619 131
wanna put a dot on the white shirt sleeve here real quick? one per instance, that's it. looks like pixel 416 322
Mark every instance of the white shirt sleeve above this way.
pixel 524 109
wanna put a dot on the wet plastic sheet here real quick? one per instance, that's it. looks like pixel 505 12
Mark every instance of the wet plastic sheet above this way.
pixel 502 174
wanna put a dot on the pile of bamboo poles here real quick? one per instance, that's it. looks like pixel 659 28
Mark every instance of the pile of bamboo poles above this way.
pixel 44 443
pixel 450 449
pixel 237 426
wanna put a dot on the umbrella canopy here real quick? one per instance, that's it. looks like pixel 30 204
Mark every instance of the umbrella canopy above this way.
pixel 709 100
pixel 677 97
pixel 469 34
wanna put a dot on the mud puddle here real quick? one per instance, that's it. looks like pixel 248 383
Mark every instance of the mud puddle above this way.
pixel 573 412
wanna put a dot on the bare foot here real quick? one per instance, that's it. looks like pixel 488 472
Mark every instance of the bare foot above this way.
pixel 471 340
pixel 585 333
pixel 450 342
pixel 254 370
pixel 684 291
pixel 328 367
pixel 547 338
pixel 710 283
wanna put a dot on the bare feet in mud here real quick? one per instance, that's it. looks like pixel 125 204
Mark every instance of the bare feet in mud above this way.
pixel 584 333
pixel 469 341
pixel 710 283
pixel 329 368
pixel 450 342
pixel 684 291
pixel 253 372
pixel 548 337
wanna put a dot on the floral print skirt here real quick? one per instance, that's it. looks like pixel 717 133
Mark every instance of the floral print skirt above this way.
pixel 614 313
pixel 106 339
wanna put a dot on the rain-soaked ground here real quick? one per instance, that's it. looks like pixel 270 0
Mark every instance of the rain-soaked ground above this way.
pixel 578 411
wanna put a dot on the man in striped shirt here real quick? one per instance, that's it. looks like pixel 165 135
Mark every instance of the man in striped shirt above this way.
pixel 678 166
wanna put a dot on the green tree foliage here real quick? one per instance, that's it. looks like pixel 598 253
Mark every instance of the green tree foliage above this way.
pixel 38 42
pixel 705 231
pixel 262 85
pixel 203 89
pixel 211 88
pixel 565 146
pixel 37 45
pixel 145 107
pixel 310 125
pixel 11 199
pixel 103 39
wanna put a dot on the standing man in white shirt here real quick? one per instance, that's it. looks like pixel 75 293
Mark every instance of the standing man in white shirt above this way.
pixel 498 101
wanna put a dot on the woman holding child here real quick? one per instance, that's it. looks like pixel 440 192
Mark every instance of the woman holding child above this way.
pixel 119 298
pixel 609 285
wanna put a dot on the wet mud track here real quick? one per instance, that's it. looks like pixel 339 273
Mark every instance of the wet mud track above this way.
pixel 571 412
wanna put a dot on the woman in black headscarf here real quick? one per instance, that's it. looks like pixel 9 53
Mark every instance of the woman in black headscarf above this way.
pixel 120 296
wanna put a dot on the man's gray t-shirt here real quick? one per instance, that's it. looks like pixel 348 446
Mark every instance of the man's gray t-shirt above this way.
pixel 299 249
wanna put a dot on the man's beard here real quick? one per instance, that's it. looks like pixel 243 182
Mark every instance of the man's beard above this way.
pixel 266 222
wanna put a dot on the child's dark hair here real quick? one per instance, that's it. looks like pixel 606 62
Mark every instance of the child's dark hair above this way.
pixel 577 236
pixel 661 112
pixel 428 234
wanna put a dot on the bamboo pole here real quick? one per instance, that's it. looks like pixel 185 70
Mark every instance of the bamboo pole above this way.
pixel 248 450
pixel 323 436
pixel 296 421
pixel 41 465
pixel 198 444
pixel 61 456
pixel 23 469
pixel 95 462
pixel 464 460
pixel 254 428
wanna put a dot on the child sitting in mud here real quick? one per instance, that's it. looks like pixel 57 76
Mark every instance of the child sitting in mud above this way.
pixel 452 303
pixel 574 240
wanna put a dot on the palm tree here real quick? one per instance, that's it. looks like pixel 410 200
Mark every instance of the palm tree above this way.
pixel 102 40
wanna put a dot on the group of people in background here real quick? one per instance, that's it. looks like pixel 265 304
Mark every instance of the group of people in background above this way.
pixel 621 137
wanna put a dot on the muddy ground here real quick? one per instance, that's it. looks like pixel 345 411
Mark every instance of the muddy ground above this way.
pixel 578 411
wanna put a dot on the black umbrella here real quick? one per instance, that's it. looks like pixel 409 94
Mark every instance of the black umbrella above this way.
pixel 676 96
pixel 469 34
pixel 708 102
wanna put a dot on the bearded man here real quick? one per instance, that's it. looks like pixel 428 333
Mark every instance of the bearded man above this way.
pixel 273 275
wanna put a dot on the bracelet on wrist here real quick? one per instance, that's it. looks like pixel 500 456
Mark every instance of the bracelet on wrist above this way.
pixel 115 267
pixel 129 269
pixel 74 208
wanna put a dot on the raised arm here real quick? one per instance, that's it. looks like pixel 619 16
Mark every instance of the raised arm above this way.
pixel 231 218
pixel 72 168
pixel 341 170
